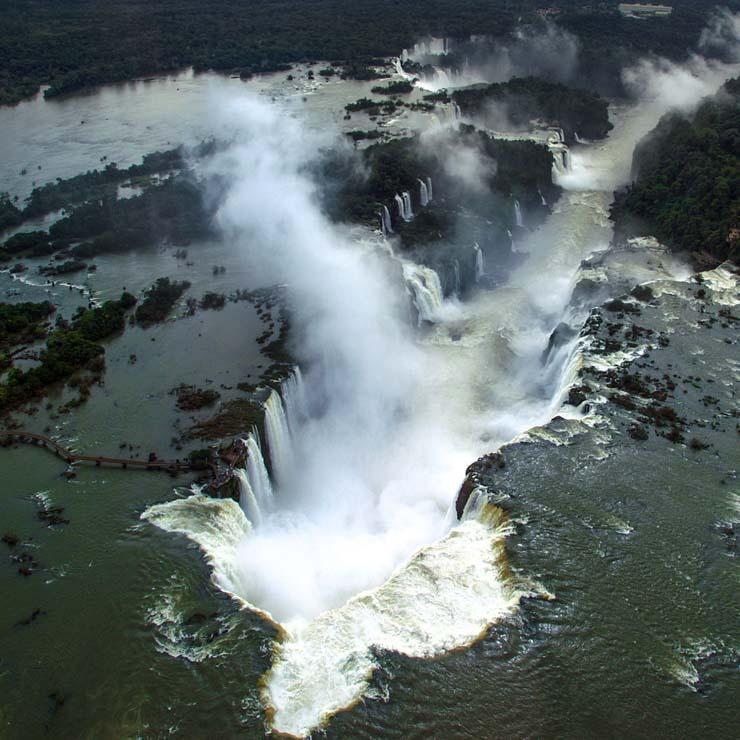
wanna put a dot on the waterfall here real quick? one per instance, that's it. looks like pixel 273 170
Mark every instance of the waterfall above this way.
pixel 409 213
pixel 423 194
pixel 385 220
pixel 430 192
pixel 456 111
pixel 293 394
pixel 562 136
pixel 278 437
pixel 518 214
pixel 247 499
pixel 566 160
pixel 257 475
pixel 480 264
pixel 457 277
pixel 425 288
pixel 542 197
pixel 401 208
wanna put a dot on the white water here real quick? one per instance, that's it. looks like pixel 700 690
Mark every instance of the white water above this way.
pixel 430 190
pixel 480 264
pixel 401 207
pixel 518 214
pixel 407 209
pixel 385 221
pixel 426 290
pixel 423 194
pixel 279 442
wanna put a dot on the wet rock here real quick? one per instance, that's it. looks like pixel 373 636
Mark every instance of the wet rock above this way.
pixel 638 432
pixel 10 539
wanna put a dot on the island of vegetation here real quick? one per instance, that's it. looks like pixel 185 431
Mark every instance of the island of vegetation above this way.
pixel 521 100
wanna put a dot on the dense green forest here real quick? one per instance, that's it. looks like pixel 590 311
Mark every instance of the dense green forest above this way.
pixel 74 44
pixel 687 186
pixel 523 99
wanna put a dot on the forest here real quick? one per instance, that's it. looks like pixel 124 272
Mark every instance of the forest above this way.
pixel 686 190
pixel 72 45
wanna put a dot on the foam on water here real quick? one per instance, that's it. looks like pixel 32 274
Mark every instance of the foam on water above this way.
pixel 445 597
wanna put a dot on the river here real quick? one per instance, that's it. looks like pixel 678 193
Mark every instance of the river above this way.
pixel 415 625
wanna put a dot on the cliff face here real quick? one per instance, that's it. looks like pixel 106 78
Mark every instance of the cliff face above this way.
pixel 628 514
pixel 686 188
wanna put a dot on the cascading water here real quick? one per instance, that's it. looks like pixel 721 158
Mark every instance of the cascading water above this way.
pixel 480 265
pixel 247 499
pixel 430 191
pixel 408 211
pixel 426 289
pixel 518 214
pixel 385 218
pixel 456 111
pixel 423 193
pixel 401 207
pixel 279 442
pixel 458 282
pixel 257 475
pixel 542 197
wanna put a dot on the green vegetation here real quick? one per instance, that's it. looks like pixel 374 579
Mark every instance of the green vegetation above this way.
pixel 69 348
pixel 510 169
pixel 402 87
pixel 159 300
pixel 100 323
pixel 96 183
pixel 24 240
pixel 9 214
pixel 85 43
pixel 687 186
pixel 522 99
pixel 173 210
pixel 23 322
pixel 363 104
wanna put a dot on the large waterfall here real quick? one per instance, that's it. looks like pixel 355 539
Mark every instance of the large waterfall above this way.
pixel 423 193
pixel 283 411
pixel 426 289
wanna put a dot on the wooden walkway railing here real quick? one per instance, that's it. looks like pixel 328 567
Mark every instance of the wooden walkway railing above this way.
pixel 41 440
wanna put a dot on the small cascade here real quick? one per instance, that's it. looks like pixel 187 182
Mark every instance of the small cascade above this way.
pixel 457 113
pixel 278 436
pixel 425 288
pixel 247 499
pixel 480 263
pixel 257 475
pixel 430 192
pixel 408 211
pixel 423 194
pixel 561 133
pixel 401 207
pixel 458 282
pixel 385 220
pixel 518 214
pixel 542 197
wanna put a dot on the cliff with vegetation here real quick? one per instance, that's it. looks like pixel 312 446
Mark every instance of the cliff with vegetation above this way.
pixel 686 188
pixel 522 100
